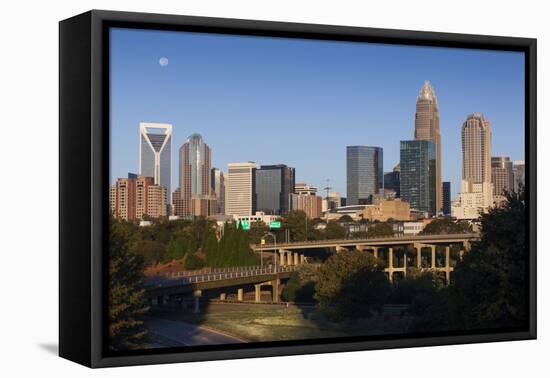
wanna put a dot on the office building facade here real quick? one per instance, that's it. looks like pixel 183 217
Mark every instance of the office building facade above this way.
pixel 446 192
pixel 426 127
pixel 519 174
pixel 502 175
pixel 240 184
pixel 194 171
pixel 274 184
pixel 418 175
pixel 365 175
pixel 155 153
pixel 217 186
pixel 476 192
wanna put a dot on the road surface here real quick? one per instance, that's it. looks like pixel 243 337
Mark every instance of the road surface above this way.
pixel 171 333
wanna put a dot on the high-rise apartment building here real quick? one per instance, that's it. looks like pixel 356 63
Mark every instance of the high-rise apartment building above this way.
pixel 365 175
pixel 122 198
pixel 476 194
pixel 446 192
pixel 426 127
pixel 194 171
pixel 240 185
pixel 502 175
pixel 274 184
pixel 137 196
pixel 418 174
pixel 305 198
pixel 155 153
pixel 217 185
pixel 519 174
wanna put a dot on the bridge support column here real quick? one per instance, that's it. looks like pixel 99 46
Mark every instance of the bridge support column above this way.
pixel 466 244
pixel 240 295
pixel 289 258
pixel 405 263
pixel 222 297
pixel 375 252
pixel 296 258
pixel 390 263
pixel 197 295
pixel 448 264
pixel 302 259
pixel 258 293
pixel 433 256
pixel 275 285
pixel 282 258
pixel 418 249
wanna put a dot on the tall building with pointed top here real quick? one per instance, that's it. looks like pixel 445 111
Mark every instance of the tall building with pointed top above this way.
pixel 155 153
pixel 426 127
pixel 194 172
pixel 476 194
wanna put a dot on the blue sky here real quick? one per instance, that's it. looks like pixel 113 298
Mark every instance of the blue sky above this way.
pixel 301 102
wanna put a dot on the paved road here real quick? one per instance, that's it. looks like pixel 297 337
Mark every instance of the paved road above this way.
pixel 173 333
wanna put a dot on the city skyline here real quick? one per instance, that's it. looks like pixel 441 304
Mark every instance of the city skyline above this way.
pixel 489 82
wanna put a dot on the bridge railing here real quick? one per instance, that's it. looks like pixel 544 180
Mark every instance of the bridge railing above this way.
pixel 218 276
pixel 366 240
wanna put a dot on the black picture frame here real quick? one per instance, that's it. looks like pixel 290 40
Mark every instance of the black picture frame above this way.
pixel 84 167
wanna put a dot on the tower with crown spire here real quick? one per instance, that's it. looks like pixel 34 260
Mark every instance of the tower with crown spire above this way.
pixel 426 127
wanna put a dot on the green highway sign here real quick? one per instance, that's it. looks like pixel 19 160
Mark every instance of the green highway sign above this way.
pixel 275 224
pixel 245 225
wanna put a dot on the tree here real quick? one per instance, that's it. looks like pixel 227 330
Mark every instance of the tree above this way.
pixel 346 218
pixel 126 301
pixel 490 283
pixel 380 229
pixel 334 230
pixel 352 285
pixel 446 226
pixel 301 285
pixel 295 221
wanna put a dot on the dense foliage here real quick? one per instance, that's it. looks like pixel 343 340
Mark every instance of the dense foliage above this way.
pixel 446 226
pixel 126 302
pixel 301 285
pixel 351 285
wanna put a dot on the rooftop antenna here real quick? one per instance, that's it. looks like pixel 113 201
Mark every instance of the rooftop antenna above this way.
pixel 327 188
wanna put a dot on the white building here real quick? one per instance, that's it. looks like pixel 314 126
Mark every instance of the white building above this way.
pixel 413 228
pixel 155 153
pixel 259 216
pixel 239 189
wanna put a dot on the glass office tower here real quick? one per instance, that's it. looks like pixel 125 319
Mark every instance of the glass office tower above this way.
pixel 365 174
pixel 418 174
pixel 274 185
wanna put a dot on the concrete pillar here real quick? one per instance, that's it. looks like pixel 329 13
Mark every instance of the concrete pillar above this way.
pixel 433 256
pixel 448 264
pixel 390 263
pixel 461 254
pixel 275 285
pixel 405 264
pixel 197 295
pixel 296 258
pixel 466 245
pixel 240 294
pixel 289 258
pixel 258 293
pixel 222 296
pixel 418 257
pixel 375 251
pixel 282 259
pixel 302 259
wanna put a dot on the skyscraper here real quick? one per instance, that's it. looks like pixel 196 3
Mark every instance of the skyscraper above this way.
pixel 274 184
pixel 476 192
pixel 240 185
pixel 502 175
pixel 194 171
pixel 217 185
pixel 365 175
pixel 418 173
pixel 122 198
pixel 155 153
pixel 426 127
pixel 519 174
pixel 392 181
pixel 446 197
